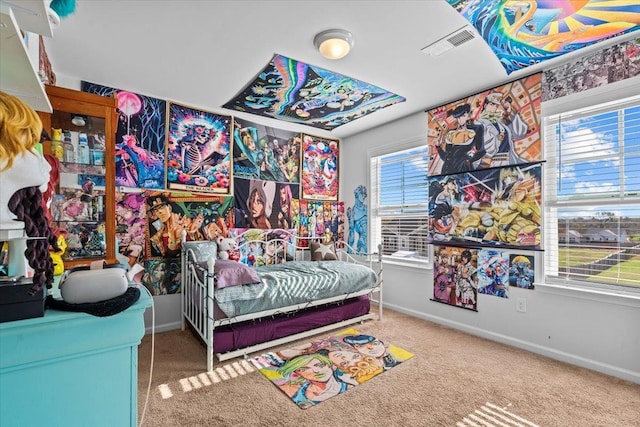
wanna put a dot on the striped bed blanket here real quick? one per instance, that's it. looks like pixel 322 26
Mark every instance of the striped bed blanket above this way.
pixel 295 282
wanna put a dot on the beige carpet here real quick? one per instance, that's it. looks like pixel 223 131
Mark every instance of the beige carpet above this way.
pixel 454 379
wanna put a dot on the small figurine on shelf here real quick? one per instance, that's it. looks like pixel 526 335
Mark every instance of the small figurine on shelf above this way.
pixel 56 256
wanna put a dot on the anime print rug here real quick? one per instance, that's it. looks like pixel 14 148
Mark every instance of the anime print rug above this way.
pixel 313 372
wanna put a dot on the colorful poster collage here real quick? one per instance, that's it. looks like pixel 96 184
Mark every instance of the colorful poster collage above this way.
pixel 485 189
pixel 182 169
pixel 460 274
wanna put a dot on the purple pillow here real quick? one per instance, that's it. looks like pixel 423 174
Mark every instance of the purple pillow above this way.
pixel 232 273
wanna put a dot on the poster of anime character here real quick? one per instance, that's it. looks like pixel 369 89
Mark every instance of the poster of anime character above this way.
pixel 263 204
pixel 609 65
pixel 524 33
pixel 293 91
pixel 495 207
pixel 521 271
pixel 319 168
pixel 162 276
pixel 455 278
pixel 358 219
pixel 493 273
pixel 264 247
pixel 265 153
pixel 140 137
pixel 198 156
pixel 202 218
pixel 131 221
pixel 303 218
pixel 495 128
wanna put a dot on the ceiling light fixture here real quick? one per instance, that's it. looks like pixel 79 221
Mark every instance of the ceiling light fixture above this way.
pixel 334 43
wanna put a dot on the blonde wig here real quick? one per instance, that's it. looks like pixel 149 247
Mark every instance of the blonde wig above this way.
pixel 20 129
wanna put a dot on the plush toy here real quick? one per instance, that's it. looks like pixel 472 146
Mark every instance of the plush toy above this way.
pixel 228 249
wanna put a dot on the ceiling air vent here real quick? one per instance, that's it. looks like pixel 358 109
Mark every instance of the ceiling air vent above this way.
pixel 447 43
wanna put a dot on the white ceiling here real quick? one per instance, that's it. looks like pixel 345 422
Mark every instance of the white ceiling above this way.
pixel 202 53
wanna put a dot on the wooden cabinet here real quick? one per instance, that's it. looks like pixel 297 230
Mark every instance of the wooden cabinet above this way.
pixel 83 127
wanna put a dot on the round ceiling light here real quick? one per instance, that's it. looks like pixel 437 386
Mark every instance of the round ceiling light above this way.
pixel 333 44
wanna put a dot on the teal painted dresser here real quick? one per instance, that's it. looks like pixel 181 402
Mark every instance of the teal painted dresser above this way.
pixel 71 369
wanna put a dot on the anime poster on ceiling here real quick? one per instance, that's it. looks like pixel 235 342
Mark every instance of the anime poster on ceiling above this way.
pixel 455 276
pixel 263 204
pixel 495 207
pixel 198 156
pixel 290 90
pixel 320 158
pixel 131 223
pixel 265 153
pixel 524 33
pixel 494 128
pixel 140 137
pixel 201 217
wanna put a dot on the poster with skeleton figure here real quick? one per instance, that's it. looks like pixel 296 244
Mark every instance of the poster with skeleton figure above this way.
pixel 455 276
pixel 495 207
pixel 198 157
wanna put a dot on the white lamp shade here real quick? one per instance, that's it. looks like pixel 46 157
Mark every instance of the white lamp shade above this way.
pixel 334 44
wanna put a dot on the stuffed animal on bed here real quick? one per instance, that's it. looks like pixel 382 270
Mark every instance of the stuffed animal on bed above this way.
pixel 228 249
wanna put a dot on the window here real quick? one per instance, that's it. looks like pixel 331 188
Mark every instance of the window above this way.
pixel 400 204
pixel 592 196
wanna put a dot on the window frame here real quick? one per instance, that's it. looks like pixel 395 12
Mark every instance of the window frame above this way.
pixel 374 225
pixel 553 114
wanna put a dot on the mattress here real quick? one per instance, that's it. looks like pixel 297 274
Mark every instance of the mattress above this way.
pixel 244 334
pixel 293 283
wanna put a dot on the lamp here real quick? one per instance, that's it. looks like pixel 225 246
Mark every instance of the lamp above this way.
pixel 334 43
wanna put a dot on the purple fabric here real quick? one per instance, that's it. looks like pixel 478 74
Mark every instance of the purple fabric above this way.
pixel 232 273
pixel 244 334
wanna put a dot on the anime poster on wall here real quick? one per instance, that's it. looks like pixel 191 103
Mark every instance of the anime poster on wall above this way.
pixel 610 65
pixel 198 157
pixel 357 217
pixel 455 280
pixel 320 168
pixel 495 207
pixel 263 204
pixel 493 273
pixel 264 247
pixel 525 33
pixel 140 137
pixel 203 218
pixel 290 90
pixel 494 128
pixel 162 276
pixel 131 220
pixel 521 271
pixel 265 153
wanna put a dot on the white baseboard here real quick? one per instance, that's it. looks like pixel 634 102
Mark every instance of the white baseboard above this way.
pixel 534 348
pixel 164 327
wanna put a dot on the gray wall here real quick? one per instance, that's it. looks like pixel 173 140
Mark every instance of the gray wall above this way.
pixel 589 329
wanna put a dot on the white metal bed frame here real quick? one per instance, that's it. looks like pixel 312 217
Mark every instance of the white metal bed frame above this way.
pixel 199 312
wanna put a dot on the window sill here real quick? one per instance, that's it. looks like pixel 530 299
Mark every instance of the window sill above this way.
pixel 399 262
pixel 629 298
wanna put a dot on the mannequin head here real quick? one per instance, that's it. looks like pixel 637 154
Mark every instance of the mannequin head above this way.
pixel 21 165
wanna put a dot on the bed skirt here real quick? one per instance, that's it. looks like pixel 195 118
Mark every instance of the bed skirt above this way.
pixel 251 332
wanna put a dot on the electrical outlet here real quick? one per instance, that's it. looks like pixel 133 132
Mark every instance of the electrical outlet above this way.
pixel 521 305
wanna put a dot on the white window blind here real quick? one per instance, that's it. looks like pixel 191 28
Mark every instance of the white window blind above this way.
pixel 400 204
pixel 592 203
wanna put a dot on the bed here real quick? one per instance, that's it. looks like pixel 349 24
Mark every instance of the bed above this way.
pixel 238 309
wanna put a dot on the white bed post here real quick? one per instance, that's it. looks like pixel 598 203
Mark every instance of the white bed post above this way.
pixel 380 278
pixel 183 275
pixel 210 311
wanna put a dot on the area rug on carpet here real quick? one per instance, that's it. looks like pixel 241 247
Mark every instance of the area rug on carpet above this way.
pixel 316 371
